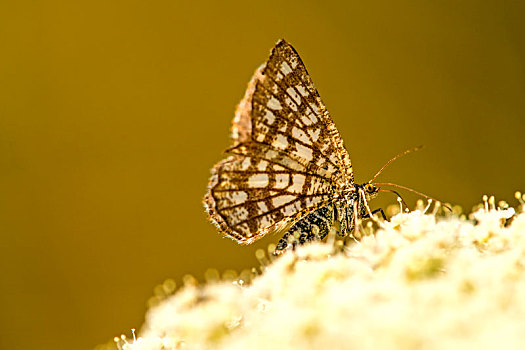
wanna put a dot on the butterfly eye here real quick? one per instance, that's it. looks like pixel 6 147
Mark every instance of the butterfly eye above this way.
pixel 369 188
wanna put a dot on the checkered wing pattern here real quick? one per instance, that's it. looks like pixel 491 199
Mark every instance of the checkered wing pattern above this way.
pixel 287 158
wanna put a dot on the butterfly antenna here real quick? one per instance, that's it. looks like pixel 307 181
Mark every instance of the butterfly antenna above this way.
pixel 396 157
pixel 411 190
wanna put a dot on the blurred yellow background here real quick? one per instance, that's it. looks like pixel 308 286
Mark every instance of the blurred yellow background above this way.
pixel 113 112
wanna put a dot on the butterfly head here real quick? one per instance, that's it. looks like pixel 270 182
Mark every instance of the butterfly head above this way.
pixel 370 190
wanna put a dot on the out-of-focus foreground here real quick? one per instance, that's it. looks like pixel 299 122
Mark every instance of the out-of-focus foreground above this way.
pixel 420 282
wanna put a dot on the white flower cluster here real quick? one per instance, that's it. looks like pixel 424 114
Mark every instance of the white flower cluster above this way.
pixel 419 282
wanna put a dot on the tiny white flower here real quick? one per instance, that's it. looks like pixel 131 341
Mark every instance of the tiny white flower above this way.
pixel 420 281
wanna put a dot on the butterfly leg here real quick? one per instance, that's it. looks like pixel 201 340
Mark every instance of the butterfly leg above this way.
pixel 314 226
pixel 379 210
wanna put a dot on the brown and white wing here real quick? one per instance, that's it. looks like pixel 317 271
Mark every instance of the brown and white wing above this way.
pixel 250 196
pixel 287 155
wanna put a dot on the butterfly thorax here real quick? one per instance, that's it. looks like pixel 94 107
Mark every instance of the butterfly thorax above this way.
pixel 351 204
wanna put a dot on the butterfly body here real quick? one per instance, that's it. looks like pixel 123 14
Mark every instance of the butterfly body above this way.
pixel 287 170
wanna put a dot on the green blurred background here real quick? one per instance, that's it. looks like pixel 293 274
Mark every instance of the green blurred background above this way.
pixel 113 112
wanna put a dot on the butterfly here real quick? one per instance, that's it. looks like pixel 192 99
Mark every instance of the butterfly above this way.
pixel 287 169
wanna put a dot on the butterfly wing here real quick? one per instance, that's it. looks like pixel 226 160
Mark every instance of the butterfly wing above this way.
pixel 287 156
